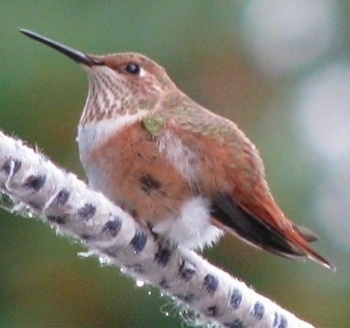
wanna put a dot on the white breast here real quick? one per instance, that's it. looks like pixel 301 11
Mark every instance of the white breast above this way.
pixel 94 134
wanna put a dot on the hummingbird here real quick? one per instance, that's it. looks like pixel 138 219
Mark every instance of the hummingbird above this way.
pixel 182 171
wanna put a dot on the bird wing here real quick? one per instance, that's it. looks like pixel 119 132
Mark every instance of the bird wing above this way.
pixel 231 175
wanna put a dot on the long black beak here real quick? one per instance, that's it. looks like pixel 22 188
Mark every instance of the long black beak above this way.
pixel 76 55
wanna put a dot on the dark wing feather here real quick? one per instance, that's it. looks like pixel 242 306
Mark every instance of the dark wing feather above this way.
pixel 229 215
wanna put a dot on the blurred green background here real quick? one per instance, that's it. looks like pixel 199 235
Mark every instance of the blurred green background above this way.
pixel 280 69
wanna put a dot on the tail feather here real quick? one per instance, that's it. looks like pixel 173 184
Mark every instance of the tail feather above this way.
pixel 302 243
pixel 290 241
pixel 307 233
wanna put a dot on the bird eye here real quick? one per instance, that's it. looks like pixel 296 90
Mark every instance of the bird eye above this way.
pixel 133 68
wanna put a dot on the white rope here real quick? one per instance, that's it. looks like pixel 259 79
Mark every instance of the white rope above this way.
pixel 39 189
